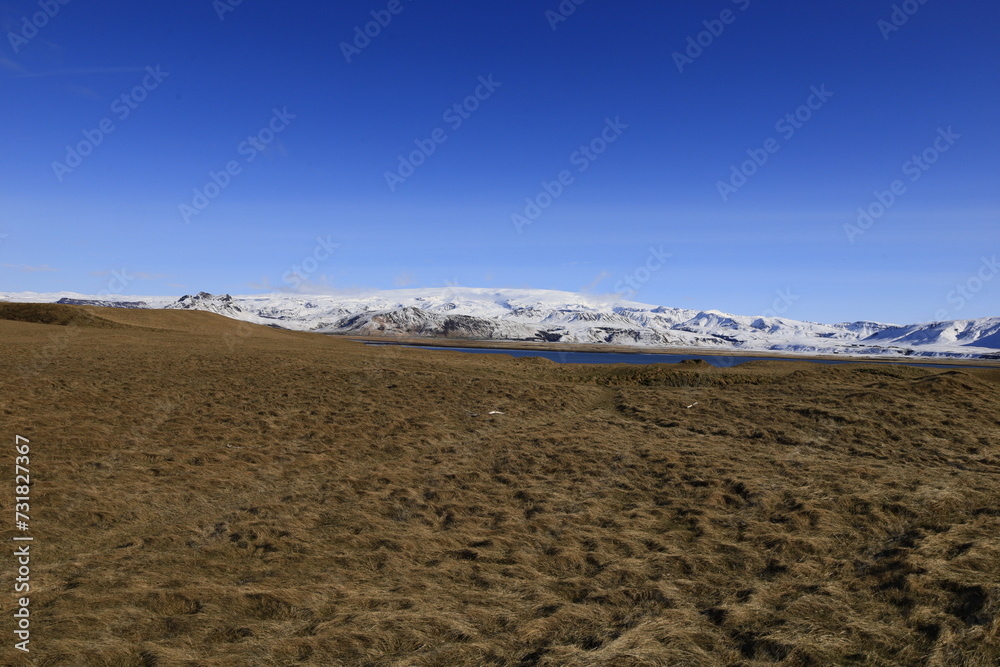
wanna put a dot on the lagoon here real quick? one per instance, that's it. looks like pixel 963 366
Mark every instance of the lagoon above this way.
pixel 719 361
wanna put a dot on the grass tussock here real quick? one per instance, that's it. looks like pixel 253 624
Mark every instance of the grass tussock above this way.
pixel 205 496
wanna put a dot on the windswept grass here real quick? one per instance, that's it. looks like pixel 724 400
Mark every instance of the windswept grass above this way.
pixel 208 496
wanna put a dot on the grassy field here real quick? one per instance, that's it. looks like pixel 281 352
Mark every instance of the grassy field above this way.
pixel 213 493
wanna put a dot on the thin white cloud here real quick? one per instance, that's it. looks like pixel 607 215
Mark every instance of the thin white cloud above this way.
pixel 12 66
pixel 322 286
pixel 83 91
pixel 131 275
pixel 597 281
pixel 22 73
pixel 26 268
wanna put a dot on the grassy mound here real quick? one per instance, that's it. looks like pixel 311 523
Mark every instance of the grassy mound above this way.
pixel 56 314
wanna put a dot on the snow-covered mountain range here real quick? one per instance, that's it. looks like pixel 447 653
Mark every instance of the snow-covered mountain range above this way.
pixel 547 315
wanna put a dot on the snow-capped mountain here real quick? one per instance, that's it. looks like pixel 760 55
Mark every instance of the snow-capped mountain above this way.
pixel 221 305
pixel 547 315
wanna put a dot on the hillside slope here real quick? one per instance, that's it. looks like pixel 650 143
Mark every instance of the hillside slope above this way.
pixel 289 498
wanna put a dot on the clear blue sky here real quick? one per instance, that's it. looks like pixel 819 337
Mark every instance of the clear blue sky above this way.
pixel 68 226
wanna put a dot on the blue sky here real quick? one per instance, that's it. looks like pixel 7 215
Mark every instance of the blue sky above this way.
pixel 115 113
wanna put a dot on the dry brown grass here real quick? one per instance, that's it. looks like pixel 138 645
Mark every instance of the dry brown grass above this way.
pixel 208 493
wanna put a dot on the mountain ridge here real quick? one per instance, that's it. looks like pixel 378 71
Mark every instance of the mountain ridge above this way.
pixel 548 315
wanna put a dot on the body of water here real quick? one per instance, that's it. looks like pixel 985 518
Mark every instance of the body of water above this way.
pixel 620 358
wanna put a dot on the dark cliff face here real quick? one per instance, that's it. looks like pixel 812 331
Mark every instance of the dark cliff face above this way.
pixel 418 322
pixel 204 301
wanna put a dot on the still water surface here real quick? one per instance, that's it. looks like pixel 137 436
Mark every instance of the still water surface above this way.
pixel 619 358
